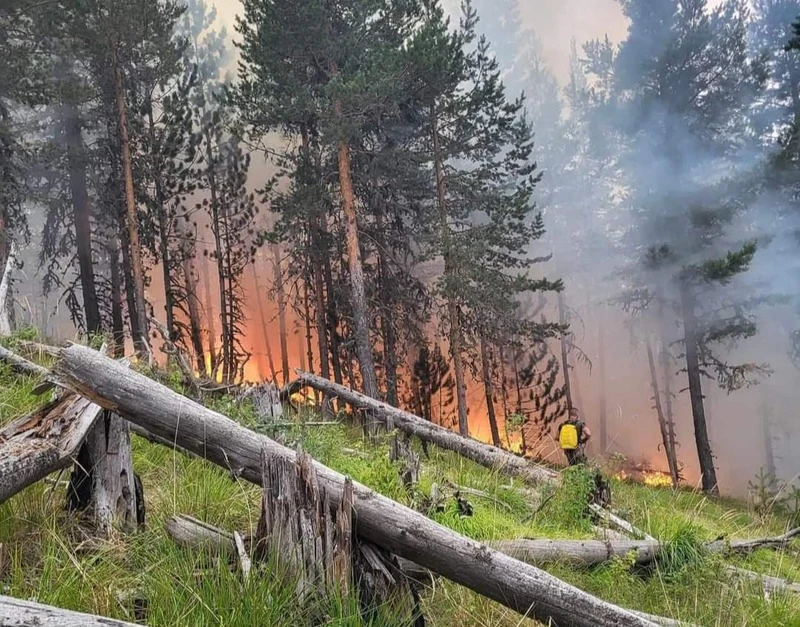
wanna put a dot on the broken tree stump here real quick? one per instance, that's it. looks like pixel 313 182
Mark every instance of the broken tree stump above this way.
pixel 102 480
pixel 33 446
pixel 401 451
pixel 406 533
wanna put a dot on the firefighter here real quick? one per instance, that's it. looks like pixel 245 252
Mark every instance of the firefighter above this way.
pixel 573 435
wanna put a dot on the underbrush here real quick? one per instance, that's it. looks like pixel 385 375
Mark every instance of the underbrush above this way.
pixel 47 554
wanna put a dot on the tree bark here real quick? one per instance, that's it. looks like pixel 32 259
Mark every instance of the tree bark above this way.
pixel 164 226
pixel 18 613
pixel 117 320
pixel 704 454
pixel 669 414
pixel 332 322
pixel 369 382
pixel 397 528
pixel 209 317
pixel 219 253
pixel 81 216
pixel 453 311
pixel 388 334
pixel 479 452
pixel 43 442
pixel 140 332
pixel 487 387
pixel 281 295
pixel 193 308
pixel 662 421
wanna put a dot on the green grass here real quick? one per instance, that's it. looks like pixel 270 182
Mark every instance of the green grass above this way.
pixel 49 556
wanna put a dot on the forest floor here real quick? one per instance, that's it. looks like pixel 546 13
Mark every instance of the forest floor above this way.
pixel 46 554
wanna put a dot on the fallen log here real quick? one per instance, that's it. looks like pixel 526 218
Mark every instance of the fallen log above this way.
pixel 33 446
pixel 619 523
pixel 19 613
pixel 486 455
pixel 770 584
pixel 21 365
pixel 744 547
pixel 399 529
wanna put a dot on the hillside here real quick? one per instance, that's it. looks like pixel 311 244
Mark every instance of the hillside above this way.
pixel 51 556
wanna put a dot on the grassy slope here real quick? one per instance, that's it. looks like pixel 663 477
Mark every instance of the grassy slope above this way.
pixel 48 556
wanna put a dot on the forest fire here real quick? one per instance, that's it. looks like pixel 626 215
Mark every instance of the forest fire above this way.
pixel 642 472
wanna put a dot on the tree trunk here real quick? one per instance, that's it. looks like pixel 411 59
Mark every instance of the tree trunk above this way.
pixel 264 329
pixel 601 367
pixel 127 273
pixel 332 322
pixel 219 255
pixel 562 319
pixel 662 421
pixel 669 414
pixel 140 331
pixel 453 311
pixel 81 216
pixel 164 227
pixel 117 320
pixel 5 290
pixel 487 387
pixel 484 454
pixel 102 480
pixel 704 454
pixel 193 308
pixel 34 446
pixel 18 613
pixel 409 534
pixel 284 340
pixel 369 382
pixel 388 334
pixel 209 317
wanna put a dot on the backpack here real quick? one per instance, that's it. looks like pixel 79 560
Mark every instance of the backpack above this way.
pixel 568 436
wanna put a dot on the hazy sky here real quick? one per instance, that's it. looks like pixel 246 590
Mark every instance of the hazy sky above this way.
pixel 555 22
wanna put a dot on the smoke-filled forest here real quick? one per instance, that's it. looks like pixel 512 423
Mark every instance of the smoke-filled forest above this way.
pixel 403 197
pixel 394 313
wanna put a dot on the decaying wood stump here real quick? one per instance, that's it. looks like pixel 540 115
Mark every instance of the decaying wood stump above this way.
pixel 103 481
pixel 315 545
pixel 401 451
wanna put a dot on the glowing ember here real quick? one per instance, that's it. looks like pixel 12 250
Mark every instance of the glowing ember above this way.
pixel 657 479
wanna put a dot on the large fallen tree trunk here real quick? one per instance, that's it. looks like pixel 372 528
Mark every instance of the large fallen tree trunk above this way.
pixel 33 446
pixel 481 453
pixel 397 528
pixel 18 613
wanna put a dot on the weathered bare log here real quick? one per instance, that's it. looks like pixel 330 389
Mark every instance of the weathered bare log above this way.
pixel 743 547
pixel 20 364
pixel 18 613
pixel 770 584
pixel 196 534
pixel 38 348
pixel 43 442
pixel 408 534
pixel 576 552
pixel 484 454
pixel 619 523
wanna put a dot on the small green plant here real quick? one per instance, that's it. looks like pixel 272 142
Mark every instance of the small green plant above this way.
pixel 763 489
